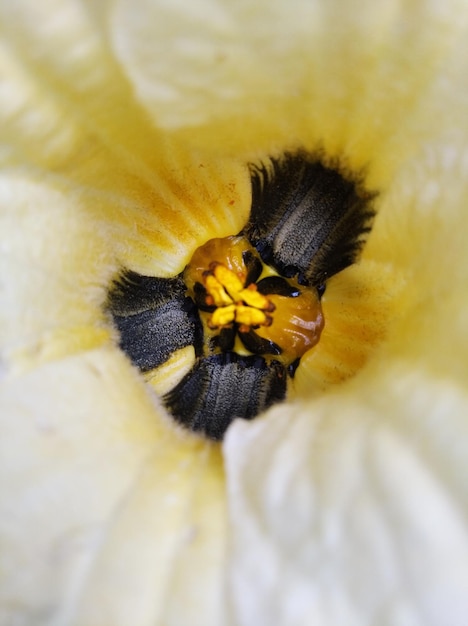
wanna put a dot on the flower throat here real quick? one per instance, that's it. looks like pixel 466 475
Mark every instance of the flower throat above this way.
pixel 246 308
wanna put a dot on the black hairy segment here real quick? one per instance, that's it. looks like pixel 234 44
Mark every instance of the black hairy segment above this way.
pixel 222 387
pixel 154 318
pixel 307 219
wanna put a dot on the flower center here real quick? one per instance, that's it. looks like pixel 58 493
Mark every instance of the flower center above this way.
pixel 234 302
pixel 222 339
pixel 246 307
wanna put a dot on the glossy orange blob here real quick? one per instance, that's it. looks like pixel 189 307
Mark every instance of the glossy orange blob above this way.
pixel 227 251
pixel 296 324
pixel 221 277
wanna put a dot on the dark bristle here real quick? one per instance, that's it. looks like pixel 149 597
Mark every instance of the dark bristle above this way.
pixel 222 387
pixel 306 218
pixel 154 318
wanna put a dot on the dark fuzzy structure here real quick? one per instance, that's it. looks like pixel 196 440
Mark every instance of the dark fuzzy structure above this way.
pixel 222 387
pixel 307 220
pixel 154 318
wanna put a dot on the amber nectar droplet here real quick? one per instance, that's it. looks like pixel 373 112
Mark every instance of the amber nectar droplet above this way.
pixel 271 317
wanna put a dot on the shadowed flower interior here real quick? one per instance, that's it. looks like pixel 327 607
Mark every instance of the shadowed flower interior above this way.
pixel 160 236
pixel 246 308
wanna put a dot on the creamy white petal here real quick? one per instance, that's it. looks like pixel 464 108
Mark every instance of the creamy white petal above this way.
pixel 267 75
pixel 65 468
pixel 353 510
pixel 106 514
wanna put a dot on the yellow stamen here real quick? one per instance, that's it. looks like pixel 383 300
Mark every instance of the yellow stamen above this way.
pixel 216 291
pixel 225 289
pixel 248 316
pixel 254 298
pixel 230 280
pixel 223 316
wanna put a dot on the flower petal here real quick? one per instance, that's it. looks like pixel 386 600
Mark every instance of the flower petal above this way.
pixel 55 265
pixel 256 77
pixel 357 512
pixel 105 512
pixel 68 113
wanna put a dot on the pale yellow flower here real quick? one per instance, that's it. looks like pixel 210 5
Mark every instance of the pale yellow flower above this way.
pixel 126 129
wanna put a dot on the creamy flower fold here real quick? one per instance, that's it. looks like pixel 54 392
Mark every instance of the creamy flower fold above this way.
pixel 127 129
